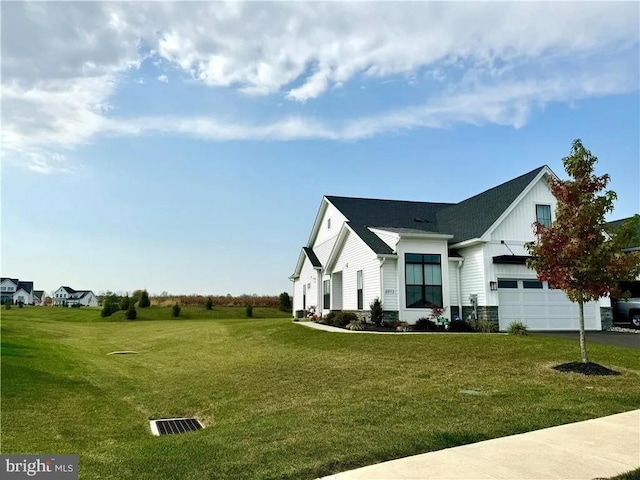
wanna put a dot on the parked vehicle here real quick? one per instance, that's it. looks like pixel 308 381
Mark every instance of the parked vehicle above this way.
pixel 627 310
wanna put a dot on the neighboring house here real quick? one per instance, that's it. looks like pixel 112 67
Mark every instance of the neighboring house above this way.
pixel 85 298
pixel 467 257
pixel 24 293
pixel 8 287
pixel 61 295
pixel 38 297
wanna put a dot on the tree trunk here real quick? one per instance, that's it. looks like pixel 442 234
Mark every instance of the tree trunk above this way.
pixel 583 343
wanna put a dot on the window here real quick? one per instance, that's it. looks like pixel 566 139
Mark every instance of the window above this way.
pixel 543 215
pixel 507 284
pixel 328 224
pixel 531 284
pixel 327 294
pixel 304 297
pixel 423 279
pixel 359 287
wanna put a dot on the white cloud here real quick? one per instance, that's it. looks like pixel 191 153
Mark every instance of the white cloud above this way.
pixel 493 61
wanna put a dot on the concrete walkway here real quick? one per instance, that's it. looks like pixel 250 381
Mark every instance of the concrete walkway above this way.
pixel 599 448
pixel 329 328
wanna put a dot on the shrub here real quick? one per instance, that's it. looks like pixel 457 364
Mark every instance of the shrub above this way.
pixel 518 328
pixel 460 326
pixel 76 305
pixel 401 326
pixel 377 312
pixel 426 325
pixel 285 302
pixel 249 311
pixel 20 304
pixel 342 319
pixel 175 311
pixel 328 319
pixel 209 304
pixel 355 325
pixel 144 299
pixel 131 314
pixel 7 305
pixel 485 326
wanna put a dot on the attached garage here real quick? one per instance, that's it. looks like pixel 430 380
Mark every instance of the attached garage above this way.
pixel 540 307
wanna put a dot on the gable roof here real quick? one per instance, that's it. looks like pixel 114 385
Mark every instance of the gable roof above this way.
pixel 12 280
pixel 466 220
pixel 78 294
pixel 38 293
pixel 312 256
pixel 26 286
pixel 68 289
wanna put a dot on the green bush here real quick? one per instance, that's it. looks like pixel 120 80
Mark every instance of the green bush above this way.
pixel 7 305
pixel 175 311
pixel 427 325
pixel 249 311
pixel 377 312
pixel 355 325
pixel 144 299
pixel 328 319
pixel 20 304
pixel 518 328
pixel 125 302
pixel 285 302
pixel 132 314
pixel 485 326
pixel 209 304
pixel 342 319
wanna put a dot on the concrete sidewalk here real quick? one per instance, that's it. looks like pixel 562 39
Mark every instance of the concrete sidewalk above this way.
pixel 598 448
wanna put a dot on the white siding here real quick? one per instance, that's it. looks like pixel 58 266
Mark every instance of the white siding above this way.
pixel 493 271
pixel 324 232
pixel 8 286
pixel 323 250
pixel 453 284
pixel 389 238
pixel 21 294
pixel 390 284
pixel 472 275
pixel 356 255
pixel 518 225
pixel 308 276
pixel 89 300
pixel 422 246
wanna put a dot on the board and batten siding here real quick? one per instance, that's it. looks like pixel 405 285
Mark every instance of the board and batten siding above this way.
pixel 356 255
pixel 390 284
pixel 424 246
pixel 518 225
pixel 472 274
pixel 308 276
pixel 453 284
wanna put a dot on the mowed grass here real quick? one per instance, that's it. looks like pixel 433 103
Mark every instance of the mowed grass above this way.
pixel 279 400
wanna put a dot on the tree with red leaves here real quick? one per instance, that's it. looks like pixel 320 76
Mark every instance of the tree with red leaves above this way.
pixel 575 253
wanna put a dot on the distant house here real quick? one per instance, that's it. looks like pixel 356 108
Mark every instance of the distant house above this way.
pixel 38 297
pixel 85 298
pixel 61 295
pixel 16 291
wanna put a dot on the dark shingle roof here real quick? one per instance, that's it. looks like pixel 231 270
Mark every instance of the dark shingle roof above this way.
pixel 38 293
pixel 26 286
pixel 312 257
pixel 14 280
pixel 68 289
pixel 465 220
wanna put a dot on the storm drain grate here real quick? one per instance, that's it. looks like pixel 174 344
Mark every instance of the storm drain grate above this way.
pixel 167 426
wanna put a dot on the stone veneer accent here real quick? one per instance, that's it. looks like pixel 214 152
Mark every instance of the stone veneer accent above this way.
pixel 606 317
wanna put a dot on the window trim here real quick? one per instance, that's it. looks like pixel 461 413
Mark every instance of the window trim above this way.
pixel 359 290
pixel 424 285
pixel 550 214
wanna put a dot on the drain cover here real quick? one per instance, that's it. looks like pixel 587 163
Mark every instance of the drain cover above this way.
pixel 167 426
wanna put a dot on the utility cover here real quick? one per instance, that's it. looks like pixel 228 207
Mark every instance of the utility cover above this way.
pixel 167 426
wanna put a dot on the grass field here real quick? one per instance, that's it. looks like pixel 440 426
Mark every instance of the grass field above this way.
pixel 279 400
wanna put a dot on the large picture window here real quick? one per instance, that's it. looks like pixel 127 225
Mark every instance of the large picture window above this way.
pixel 327 294
pixel 360 290
pixel 423 280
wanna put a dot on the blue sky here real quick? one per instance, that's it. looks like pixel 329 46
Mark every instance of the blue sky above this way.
pixel 186 148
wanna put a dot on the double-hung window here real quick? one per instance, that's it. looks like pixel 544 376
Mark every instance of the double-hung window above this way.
pixel 327 294
pixel 423 280
pixel 360 290
pixel 543 215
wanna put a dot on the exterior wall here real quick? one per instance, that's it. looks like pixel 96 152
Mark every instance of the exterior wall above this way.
pixel 325 233
pixel 453 286
pixel 89 300
pixel 7 286
pixel 390 285
pixel 309 277
pixel 389 238
pixel 408 245
pixel 356 255
pixel 518 225
pixel 323 250
pixel 27 298
pixel 495 271
pixel 472 274
pixel 606 317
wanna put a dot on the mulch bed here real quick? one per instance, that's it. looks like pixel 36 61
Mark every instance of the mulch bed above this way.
pixel 588 368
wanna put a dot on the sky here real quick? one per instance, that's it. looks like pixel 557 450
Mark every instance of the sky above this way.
pixel 186 147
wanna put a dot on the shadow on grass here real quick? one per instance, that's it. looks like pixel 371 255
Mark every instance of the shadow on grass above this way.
pixel 588 368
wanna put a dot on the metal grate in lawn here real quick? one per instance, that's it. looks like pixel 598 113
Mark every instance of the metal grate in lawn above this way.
pixel 168 426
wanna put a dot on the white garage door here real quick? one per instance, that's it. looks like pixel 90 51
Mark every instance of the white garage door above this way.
pixel 541 307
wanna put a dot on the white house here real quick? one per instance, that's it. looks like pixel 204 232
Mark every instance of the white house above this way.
pixel 84 298
pixel 38 297
pixel 8 287
pixel 16 291
pixel 62 294
pixel 467 257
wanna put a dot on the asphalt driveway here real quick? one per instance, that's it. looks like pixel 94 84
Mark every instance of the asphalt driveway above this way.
pixel 620 339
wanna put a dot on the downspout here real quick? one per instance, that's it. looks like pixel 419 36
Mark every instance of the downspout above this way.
pixel 459 289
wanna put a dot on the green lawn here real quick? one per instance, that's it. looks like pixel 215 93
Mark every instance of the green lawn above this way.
pixel 279 400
